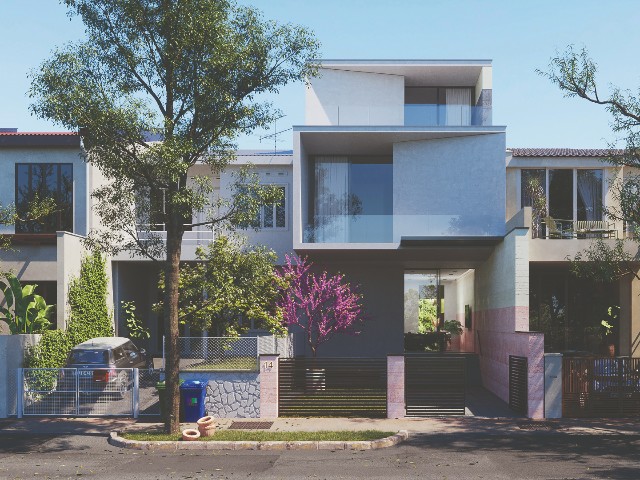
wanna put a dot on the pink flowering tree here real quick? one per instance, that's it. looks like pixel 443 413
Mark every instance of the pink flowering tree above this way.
pixel 321 304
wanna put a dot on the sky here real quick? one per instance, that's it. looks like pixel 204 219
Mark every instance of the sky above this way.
pixel 520 36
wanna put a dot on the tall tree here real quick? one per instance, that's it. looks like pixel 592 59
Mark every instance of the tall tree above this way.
pixel 574 72
pixel 322 305
pixel 188 73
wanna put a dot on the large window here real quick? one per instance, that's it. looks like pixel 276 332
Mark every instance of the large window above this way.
pixel 438 106
pixel 44 181
pixel 569 311
pixel 570 194
pixel 352 200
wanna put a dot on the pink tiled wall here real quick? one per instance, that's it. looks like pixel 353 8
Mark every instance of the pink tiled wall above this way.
pixel 496 340
pixel 269 386
pixel 395 386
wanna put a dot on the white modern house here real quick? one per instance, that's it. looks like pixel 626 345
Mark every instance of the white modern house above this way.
pixel 400 180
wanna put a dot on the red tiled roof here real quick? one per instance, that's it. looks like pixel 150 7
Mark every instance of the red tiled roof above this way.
pixel 564 152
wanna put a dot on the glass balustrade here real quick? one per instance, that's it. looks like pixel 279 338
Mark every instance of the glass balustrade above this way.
pixel 392 228
pixel 421 115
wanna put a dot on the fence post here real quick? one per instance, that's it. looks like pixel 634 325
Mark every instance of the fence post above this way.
pixel 19 393
pixel 269 386
pixel 395 386
pixel 135 398
pixel 77 392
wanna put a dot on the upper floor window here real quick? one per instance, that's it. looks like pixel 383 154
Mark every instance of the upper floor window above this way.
pixel 351 200
pixel 42 181
pixel 275 214
pixel 566 193
pixel 433 106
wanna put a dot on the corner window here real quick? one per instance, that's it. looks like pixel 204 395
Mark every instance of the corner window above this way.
pixel 42 181
pixel 275 214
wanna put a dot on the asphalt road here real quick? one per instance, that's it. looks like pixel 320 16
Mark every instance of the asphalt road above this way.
pixel 461 456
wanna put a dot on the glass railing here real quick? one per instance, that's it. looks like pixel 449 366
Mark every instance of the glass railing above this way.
pixel 431 115
pixel 392 228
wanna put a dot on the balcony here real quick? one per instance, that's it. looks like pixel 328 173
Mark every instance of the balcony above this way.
pixel 559 229
pixel 392 228
pixel 190 237
pixel 434 115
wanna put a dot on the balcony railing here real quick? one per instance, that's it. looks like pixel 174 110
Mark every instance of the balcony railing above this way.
pixel 561 229
pixel 428 115
pixel 392 228
pixel 201 236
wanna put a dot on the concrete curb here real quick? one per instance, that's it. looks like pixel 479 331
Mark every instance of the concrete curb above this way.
pixel 117 441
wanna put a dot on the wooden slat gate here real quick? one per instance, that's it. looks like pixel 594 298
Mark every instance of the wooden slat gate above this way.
pixel 600 387
pixel 333 387
pixel 435 385
pixel 518 384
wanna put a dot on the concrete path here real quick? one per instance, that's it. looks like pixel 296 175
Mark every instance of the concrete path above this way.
pixel 440 426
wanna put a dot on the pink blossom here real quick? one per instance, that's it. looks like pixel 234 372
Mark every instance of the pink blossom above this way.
pixel 321 304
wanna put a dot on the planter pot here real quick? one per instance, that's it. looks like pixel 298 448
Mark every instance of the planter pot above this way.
pixel 206 426
pixel 190 434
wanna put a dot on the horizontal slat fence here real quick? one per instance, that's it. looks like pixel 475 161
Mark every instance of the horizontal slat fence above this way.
pixel 600 387
pixel 518 384
pixel 333 387
pixel 435 385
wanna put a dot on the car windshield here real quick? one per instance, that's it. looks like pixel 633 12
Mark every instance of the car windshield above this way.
pixel 89 356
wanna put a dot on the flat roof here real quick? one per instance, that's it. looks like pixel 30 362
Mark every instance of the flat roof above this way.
pixel 423 73
pixel 39 139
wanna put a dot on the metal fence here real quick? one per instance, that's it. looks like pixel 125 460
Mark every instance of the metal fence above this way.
pixel 229 353
pixel 77 392
pixel 600 387
pixel 148 399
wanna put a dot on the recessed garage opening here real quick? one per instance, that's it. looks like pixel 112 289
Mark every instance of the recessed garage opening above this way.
pixel 437 309
pixel 442 372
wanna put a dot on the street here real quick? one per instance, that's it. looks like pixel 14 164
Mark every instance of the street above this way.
pixel 528 455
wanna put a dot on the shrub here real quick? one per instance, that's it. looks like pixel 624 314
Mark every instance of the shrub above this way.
pixel 89 316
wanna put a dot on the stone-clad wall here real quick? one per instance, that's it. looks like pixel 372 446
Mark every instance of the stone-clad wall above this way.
pixel 230 394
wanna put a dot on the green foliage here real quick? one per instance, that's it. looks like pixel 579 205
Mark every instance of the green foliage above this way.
pixel 427 315
pixel 89 316
pixel 454 327
pixel 602 262
pixel 26 312
pixel 232 283
pixel 134 324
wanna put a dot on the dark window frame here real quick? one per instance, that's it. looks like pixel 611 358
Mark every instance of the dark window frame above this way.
pixel 66 224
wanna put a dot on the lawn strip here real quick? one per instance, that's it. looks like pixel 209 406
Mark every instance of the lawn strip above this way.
pixel 261 436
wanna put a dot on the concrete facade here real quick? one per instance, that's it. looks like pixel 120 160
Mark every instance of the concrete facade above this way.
pixel 12 351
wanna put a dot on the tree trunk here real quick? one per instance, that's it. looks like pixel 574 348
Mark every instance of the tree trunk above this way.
pixel 172 363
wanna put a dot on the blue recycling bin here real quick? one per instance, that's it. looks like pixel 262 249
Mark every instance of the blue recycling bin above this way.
pixel 192 393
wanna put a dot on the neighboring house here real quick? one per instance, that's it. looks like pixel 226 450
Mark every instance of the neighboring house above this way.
pixel 398 179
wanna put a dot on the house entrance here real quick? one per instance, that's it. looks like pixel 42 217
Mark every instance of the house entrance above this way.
pixel 435 304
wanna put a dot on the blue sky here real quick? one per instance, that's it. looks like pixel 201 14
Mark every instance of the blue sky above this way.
pixel 518 35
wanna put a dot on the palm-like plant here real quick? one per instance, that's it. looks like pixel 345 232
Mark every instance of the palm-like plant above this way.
pixel 25 311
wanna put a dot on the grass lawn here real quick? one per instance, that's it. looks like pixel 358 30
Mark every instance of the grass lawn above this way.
pixel 264 436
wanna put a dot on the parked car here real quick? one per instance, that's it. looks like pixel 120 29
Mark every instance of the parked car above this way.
pixel 100 364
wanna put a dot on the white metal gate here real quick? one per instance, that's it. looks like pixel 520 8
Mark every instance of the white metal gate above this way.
pixel 87 392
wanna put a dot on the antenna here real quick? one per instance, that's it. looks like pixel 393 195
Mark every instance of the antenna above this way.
pixel 275 133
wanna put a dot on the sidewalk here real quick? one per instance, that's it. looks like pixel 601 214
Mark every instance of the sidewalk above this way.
pixel 433 426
